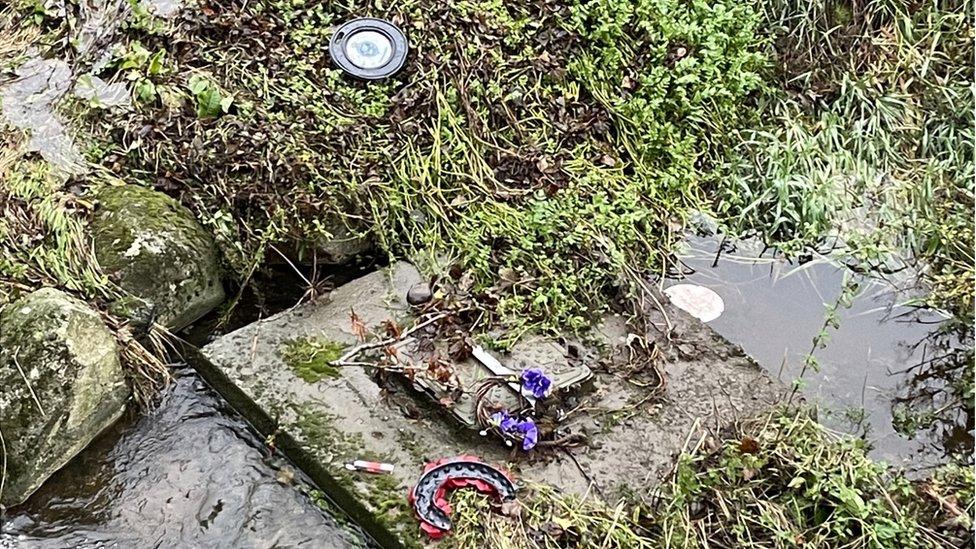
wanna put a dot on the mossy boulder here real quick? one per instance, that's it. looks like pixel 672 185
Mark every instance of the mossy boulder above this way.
pixel 156 251
pixel 61 384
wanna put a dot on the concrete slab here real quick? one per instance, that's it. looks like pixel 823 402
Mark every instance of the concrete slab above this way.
pixel 323 422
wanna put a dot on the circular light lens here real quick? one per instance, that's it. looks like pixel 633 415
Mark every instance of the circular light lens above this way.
pixel 369 49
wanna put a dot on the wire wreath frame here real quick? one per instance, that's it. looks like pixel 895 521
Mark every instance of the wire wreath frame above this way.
pixel 484 412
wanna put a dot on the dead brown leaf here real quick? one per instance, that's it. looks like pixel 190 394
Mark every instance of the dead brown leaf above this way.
pixel 460 348
pixel 439 369
pixel 358 326
pixel 392 329
pixel 748 445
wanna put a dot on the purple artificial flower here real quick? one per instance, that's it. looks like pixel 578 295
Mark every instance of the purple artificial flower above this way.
pixel 530 434
pixel 504 421
pixel 536 382
pixel 512 427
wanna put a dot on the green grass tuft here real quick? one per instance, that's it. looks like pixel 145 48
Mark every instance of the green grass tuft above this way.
pixel 865 141
pixel 777 481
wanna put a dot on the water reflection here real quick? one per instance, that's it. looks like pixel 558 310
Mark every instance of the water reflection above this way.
pixel 935 395
pixel 884 359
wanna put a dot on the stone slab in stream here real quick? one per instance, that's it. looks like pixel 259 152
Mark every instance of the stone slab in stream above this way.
pixel 324 422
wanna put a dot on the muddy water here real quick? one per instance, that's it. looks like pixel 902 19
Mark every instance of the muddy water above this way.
pixel 188 474
pixel 879 355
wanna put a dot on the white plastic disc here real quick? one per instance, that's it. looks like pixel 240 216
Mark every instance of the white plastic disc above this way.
pixel 698 301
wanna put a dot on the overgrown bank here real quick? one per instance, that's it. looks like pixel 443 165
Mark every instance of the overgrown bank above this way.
pixel 866 143
pixel 552 149
pixel 777 481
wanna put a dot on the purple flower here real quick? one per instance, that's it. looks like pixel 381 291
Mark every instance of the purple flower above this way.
pixel 512 428
pixel 504 421
pixel 530 434
pixel 536 382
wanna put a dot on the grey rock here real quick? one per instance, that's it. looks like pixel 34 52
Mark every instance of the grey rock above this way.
pixel 346 243
pixel 157 252
pixel 419 293
pixel 61 384
pixel 346 240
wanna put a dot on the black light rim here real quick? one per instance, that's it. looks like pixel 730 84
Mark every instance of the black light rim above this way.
pixel 337 47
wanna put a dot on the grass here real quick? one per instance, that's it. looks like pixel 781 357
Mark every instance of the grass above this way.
pixel 551 151
pixel 564 144
pixel 867 143
pixel 562 147
pixel 545 518
pixel 43 240
pixel 781 480
pixel 538 149
pixel 865 154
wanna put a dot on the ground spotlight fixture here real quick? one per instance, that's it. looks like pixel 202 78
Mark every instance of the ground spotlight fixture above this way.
pixel 368 48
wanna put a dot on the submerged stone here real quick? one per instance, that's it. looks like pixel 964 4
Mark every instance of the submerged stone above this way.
pixel 324 422
pixel 61 384
pixel 157 252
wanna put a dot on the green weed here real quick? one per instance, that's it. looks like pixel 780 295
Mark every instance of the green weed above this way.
pixel 210 101
pixel 867 141
pixel 781 480
pixel 560 147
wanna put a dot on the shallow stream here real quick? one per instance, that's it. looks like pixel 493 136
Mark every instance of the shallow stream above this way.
pixel 883 353
pixel 190 473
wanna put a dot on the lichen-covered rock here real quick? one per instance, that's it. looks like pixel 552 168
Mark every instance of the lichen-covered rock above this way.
pixel 156 251
pixel 61 384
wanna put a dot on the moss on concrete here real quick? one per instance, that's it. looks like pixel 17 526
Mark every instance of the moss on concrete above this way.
pixel 413 446
pixel 311 358
pixel 383 495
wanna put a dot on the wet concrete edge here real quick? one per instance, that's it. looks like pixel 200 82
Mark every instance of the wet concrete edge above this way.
pixel 266 426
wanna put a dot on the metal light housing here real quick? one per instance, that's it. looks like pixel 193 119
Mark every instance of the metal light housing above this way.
pixel 369 48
